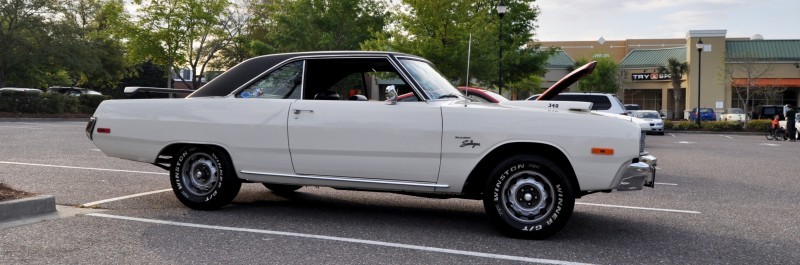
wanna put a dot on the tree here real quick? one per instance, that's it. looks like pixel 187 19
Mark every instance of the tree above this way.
pixel 23 39
pixel 179 33
pixel 440 30
pixel 603 79
pixel 748 69
pixel 675 69
pixel 88 46
pixel 314 25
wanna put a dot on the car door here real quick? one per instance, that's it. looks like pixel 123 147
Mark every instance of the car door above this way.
pixel 335 135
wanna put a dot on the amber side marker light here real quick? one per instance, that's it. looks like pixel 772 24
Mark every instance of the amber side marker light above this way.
pixel 602 151
pixel 103 130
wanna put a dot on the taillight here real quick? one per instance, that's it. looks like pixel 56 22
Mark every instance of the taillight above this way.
pixel 103 130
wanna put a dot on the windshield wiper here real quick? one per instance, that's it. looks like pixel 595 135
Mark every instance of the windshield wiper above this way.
pixel 448 96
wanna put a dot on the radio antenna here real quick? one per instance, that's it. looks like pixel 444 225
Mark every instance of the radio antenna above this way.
pixel 469 53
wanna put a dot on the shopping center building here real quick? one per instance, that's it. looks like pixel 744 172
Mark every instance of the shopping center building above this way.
pixel 726 72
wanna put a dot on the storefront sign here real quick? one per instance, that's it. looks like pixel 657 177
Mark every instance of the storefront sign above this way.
pixel 650 76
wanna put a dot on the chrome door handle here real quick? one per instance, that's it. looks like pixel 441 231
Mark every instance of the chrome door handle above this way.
pixel 298 111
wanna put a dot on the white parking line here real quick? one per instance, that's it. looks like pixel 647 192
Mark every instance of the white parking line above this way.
pixel 124 197
pixel 769 144
pixel 668 184
pixel 637 208
pixel 672 134
pixel 339 239
pixel 74 124
pixel 726 136
pixel 86 168
pixel 21 127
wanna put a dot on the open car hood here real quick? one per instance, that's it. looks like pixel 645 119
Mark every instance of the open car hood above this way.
pixel 568 80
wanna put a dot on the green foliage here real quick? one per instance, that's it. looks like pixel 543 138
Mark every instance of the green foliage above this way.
pixel 759 125
pixel 712 125
pixel 524 88
pixel 683 125
pixel 22 102
pixel 318 25
pixel 676 70
pixel 440 30
pixel 46 43
pixel 721 126
pixel 604 78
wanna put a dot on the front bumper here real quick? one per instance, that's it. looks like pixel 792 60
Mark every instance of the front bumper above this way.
pixel 639 174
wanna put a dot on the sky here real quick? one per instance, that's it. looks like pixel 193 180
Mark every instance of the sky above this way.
pixel 586 20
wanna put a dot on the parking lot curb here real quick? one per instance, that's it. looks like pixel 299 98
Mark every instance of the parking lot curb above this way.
pixel 27 207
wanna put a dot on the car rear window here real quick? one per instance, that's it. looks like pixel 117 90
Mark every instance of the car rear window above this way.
pixel 599 102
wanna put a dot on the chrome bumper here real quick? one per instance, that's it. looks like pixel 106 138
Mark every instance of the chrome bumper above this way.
pixel 640 174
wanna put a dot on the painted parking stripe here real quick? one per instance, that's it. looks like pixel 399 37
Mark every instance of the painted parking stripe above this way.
pixel 726 136
pixel 22 127
pixel 124 197
pixel 339 239
pixel 668 184
pixel 74 124
pixel 86 168
pixel 672 134
pixel 637 208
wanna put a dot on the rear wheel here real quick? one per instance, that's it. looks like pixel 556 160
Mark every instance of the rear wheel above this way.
pixel 528 197
pixel 281 188
pixel 203 178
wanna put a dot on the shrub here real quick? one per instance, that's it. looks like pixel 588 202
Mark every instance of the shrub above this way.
pixel 50 103
pixel 684 125
pixel 759 125
pixel 721 126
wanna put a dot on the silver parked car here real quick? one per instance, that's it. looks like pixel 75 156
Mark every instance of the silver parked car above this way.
pixel 654 118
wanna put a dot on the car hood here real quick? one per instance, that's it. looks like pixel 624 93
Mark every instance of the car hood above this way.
pixel 567 81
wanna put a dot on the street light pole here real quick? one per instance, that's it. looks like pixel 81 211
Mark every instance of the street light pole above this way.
pixel 700 48
pixel 501 11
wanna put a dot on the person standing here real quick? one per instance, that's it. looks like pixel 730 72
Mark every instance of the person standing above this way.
pixel 790 122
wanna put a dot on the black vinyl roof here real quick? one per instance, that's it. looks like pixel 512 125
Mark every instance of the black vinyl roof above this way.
pixel 252 68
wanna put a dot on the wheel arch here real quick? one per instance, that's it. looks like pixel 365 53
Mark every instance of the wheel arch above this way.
pixel 165 157
pixel 479 176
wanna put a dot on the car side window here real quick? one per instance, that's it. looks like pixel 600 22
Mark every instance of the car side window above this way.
pixel 355 79
pixel 284 82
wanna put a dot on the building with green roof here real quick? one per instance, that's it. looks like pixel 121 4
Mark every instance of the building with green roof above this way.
pixel 722 72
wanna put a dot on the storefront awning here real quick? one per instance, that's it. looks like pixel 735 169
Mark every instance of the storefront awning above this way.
pixel 768 82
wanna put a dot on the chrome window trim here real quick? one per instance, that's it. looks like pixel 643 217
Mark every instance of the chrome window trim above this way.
pixel 356 180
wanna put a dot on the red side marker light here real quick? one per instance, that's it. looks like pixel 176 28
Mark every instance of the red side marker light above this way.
pixel 103 130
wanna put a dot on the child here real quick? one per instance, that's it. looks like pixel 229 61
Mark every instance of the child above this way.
pixel 776 122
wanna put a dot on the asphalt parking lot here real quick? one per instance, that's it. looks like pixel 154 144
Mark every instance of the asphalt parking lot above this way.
pixel 719 199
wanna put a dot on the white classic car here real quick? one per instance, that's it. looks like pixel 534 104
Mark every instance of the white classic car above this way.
pixel 333 119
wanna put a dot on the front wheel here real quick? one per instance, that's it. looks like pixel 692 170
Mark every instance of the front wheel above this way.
pixel 203 178
pixel 770 134
pixel 528 197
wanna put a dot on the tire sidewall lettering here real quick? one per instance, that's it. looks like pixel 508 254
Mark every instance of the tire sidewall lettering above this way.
pixel 558 196
pixel 179 185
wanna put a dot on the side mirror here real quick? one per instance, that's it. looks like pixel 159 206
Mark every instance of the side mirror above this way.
pixel 391 95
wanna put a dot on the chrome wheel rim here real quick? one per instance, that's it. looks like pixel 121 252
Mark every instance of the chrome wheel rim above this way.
pixel 528 197
pixel 200 174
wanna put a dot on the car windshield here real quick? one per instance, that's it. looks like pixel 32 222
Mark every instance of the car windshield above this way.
pixel 735 111
pixel 429 80
pixel 705 110
pixel 647 115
